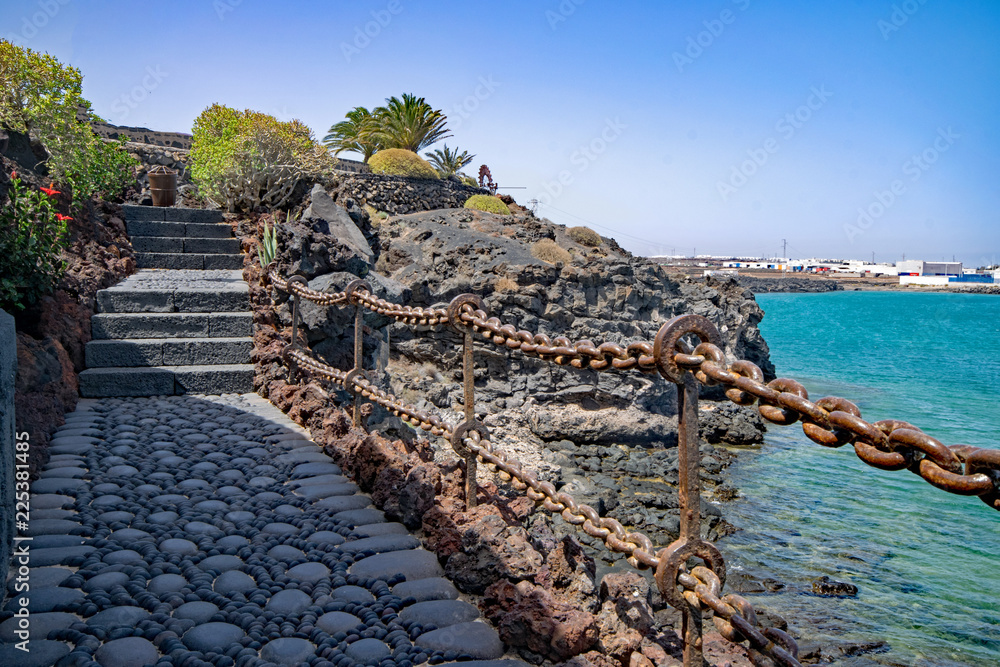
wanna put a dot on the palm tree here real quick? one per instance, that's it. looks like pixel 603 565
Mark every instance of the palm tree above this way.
pixel 409 123
pixel 448 161
pixel 354 134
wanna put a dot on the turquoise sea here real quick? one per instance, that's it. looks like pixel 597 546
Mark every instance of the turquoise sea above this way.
pixel 927 563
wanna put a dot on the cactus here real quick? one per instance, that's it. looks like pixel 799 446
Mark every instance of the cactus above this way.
pixel 267 249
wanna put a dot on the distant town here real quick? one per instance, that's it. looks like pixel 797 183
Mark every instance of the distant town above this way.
pixel 909 272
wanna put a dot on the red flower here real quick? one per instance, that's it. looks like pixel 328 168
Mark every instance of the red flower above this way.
pixel 13 175
pixel 50 192
pixel 60 217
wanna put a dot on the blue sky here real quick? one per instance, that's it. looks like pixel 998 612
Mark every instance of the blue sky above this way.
pixel 846 128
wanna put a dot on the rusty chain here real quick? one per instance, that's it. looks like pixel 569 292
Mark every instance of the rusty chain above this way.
pixel 831 421
pixel 734 615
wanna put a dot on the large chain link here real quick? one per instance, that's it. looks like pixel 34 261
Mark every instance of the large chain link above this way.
pixel 735 617
pixel 830 421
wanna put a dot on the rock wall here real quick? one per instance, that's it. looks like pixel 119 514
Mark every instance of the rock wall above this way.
pixel 149 156
pixel 142 135
pixel 400 195
pixel 788 284
pixel 8 371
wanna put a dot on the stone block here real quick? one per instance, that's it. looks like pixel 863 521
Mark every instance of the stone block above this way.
pixel 154 228
pixel 143 213
pixel 216 300
pixel 112 353
pixel 230 325
pixel 200 215
pixel 214 262
pixel 221 379
pixel 160 260
pixel 135 301
pixel 158 243
pixel 208 230
pixel 202 351
pixel 227 246
pixel 153 325
pixel 101 382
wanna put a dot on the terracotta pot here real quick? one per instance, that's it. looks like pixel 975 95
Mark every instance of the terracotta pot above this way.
pixel 163 186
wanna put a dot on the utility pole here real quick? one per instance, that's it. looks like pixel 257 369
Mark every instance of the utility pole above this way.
pixel 873 256
pixel 784 248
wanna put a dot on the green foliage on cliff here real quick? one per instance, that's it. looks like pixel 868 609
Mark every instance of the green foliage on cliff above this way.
pixel 401 162
pixel 42 97
pixel 32 237
pixel 487 203
pixel 448 161
pixel 245 160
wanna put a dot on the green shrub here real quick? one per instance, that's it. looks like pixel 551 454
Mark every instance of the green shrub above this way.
pixel 245 160
pixel 41 97
pixel 32 237
pixel 487 203
pixel 548 251
pixel 468 180
pixel 267 247
pixel 401 162
pixel 584 236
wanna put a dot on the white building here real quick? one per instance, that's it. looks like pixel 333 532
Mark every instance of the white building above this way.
pixel 917 267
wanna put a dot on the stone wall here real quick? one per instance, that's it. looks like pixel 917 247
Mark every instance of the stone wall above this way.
pixel 401 195
pixel 150 156
pixel 8 370
pixel 142 135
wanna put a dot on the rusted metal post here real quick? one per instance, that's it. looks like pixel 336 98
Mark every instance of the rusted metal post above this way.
pixel 292 373
pixel 689 495
pixel 469 378
pixel 358 359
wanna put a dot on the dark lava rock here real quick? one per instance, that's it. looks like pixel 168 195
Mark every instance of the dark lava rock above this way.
pixel 212 637
pixel 353 594
pixel 44 653
pixel 43 577
pixel 343 503
pixel 284 552
pixel 122 557
pixel 117 617
pixel 198 611
pixel 104 582
pixel 47 599
pixel 338 621
pixel 441 613
pixel 381 543
pixel 476 639
pixel 309 572
pixel 179 546
pixel 416 564
pixel 368 651
pixel 233 581
pixel 58 555
pixel 221 563
pixel 426 589
pixel 288 651
pixel 288 603
pixel 827 587
pixel 127 652
pixel 41 625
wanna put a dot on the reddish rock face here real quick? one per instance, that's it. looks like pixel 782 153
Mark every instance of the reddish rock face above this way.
pixel 529 616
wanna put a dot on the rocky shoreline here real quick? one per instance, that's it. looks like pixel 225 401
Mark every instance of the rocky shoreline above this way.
pixel 795 284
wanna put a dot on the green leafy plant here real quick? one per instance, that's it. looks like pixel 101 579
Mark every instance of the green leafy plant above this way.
pixel 32 237
pixel 408 123
pixel 487 203
pixel 41 97
pixel 448 161
pixel 353 134
pixel 585 236
pixel 267 248
pixel 245 160
pixel 401 162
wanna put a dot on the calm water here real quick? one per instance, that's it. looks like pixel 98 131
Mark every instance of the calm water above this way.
pixel 927 563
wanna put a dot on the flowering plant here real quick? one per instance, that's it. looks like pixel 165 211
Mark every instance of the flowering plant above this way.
pixel 32 237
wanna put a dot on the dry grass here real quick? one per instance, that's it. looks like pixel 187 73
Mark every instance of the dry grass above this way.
pixel 584 236
pixel 505 284
pixel 548 251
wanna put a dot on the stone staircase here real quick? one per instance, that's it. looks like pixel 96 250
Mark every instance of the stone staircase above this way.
pixel 182 323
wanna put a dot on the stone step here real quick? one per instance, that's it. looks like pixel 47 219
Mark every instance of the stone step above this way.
pixel 166 380
pixel 162 260
pixel 124 326
pixel 143 352
pixel 172 213
pixel 200 300
pixel 175 244
pixel 200 230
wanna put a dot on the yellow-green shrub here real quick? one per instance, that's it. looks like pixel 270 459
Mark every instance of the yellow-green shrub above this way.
pixel 487 203
pixel 244 160
pixel 584 236
pixel 548 251
pixel 40 96
pixel 401 162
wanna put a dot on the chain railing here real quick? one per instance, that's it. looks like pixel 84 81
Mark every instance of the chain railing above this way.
pixel 830 421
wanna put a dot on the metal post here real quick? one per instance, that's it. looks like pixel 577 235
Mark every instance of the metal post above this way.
pixel 468 377
pixel 292 374
pixel 358 359
pixel 689 495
